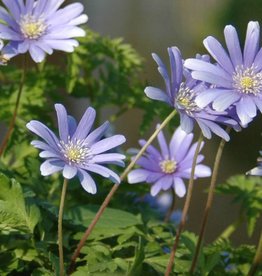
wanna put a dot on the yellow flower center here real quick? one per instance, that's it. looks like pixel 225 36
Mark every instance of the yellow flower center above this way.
pixel 32 27
pixel 185 99
pixel 74 151
pixel 168 166
pixel 247 80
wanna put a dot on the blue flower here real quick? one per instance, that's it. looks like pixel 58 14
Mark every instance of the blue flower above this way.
pixel 167 169
pixel 40 27
pixel 181 92
pixel 77 151
pixel 236 78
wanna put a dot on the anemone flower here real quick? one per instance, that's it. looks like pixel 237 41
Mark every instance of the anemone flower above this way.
pixel 40 27
pixel 77 151
pixel 236 77
pixel 166 169
pixel 181 92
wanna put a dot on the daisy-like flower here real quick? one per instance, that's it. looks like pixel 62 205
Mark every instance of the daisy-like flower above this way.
pixel 166 169
pixel 40 27
pixel 77 151
pixel 181 92
pixel 236 77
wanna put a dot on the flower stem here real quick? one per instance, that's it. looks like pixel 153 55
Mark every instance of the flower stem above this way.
pixel 12 122
pixel 171 208
pixel 257 259
pixel 60 230
pixel 113 190
pixel 231 228
pixel 185 209
pixel 209 201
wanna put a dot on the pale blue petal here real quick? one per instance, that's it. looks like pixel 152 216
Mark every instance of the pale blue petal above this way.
pixel 87 181
pixel 62 122
pixel 179 187
pixel 107 144
pixel 69 171
pixel 85 124
pixel 233 45
pixel 218 53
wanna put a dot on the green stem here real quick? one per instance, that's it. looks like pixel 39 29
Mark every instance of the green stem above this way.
pixel 257 259
pixel 185 209
pixel 231 228
pixel 113 190
pixel 209 202
pixel 12 122
pixel 171 208
pixel 60 228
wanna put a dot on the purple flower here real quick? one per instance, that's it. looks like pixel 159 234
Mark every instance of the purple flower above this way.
pixel 40 27
pixel 181 92
pixel 77 151
pixel 167 169
pixel 236 78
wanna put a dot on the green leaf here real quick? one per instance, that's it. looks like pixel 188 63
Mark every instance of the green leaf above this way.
pixel 111 223
pixel 16 214
pixel 246 191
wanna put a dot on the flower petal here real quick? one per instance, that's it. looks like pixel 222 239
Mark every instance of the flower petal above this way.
pixel 87 181
pixel 69 171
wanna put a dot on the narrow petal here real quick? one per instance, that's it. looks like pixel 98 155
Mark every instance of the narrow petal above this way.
pixel 176 68
pixel 207 67
pixel 212 79
pixel 179 187
pixel 37 54
pixel 44 132
pixel 69 171
pixel 207 96
pixel 219 54
pixel 156 94
pixel 233 45
pixel 187 123
pixel 105 172
pixel 107 144
pixel 156 188
pixel 251 43
pixel 87 181
pixel 85 124
pixel 72 125
pixel 51 166
pixel 62 122
pixel 137 176
pixel 242 113
pixel 96 134
pixel 202 171
pixel 225 100
pixel 162 143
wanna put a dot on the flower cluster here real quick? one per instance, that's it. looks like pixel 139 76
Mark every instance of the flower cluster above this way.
pixel 39 27
pixel 77 151
pixel 167 169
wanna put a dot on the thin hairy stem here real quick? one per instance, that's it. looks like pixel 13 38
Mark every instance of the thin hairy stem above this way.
pixel 113 190
pixel 185 209
pixel 257 259
pixel 209 202
pixel 12 122
pixel 60 228
pixel 171 208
